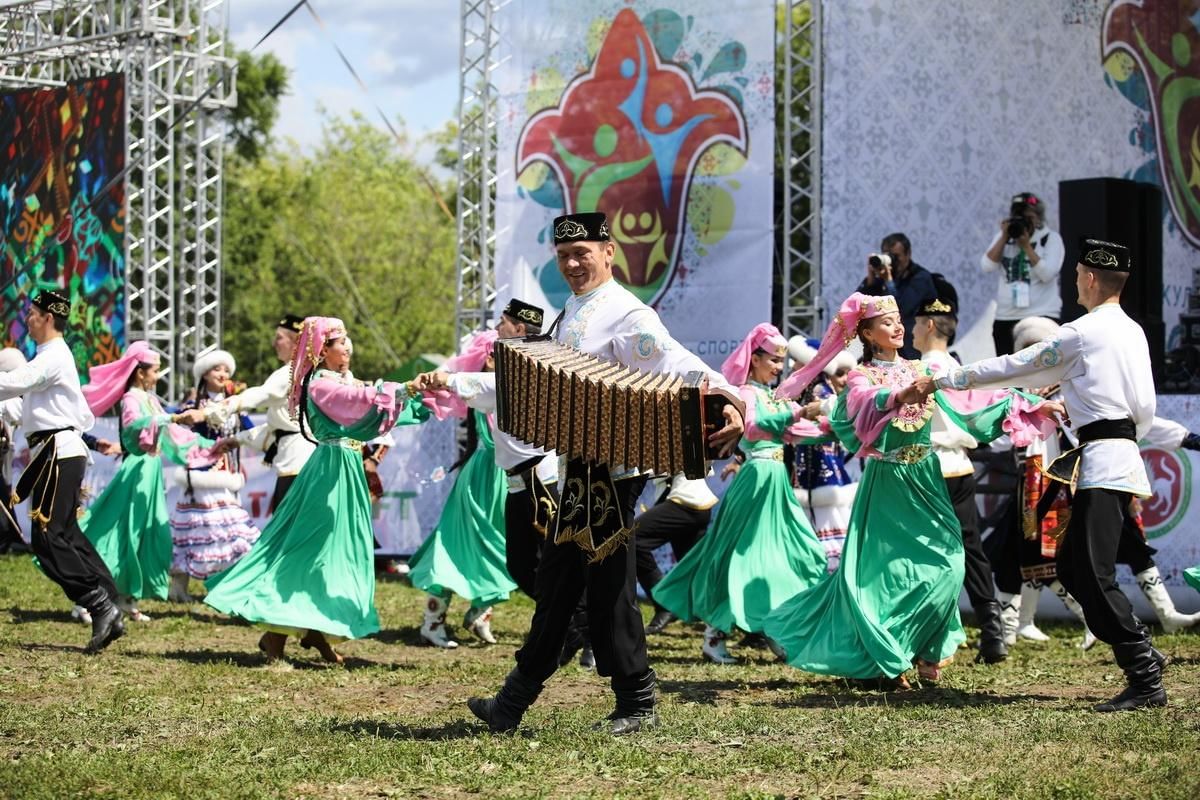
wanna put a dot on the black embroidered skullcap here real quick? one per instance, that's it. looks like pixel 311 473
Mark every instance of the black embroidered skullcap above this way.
pixel 53 302
pixel 944 303
pixel 292 323
pixel 528 313
pixel 1097 254
pixel 589 227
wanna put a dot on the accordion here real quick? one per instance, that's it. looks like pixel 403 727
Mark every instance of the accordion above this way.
pixel 588 408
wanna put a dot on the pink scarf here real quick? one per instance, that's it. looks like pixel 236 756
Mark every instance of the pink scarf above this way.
pixel 314 335
pixel 106 382
pixel 840 333
pixel 764 336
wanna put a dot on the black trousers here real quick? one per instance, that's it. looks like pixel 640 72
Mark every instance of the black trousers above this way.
pixel 66 555
pixel 522 541
pixel 978 577
pixel 666 523
pixel 282 484
pixel 1133 549
pixel 614 620
pixel 1087 559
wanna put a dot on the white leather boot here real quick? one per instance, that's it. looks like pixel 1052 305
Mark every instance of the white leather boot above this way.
pixel 714 646
pixel 1010 614
pixel 479 622
pixel 1026 628
pixel 433 627
pixel 178 592
pixel 1151 584
pixel 1073 606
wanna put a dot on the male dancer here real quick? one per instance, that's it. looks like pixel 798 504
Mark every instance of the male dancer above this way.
pixel 679 518
pixel 1102 363
pixel 286 449
pixel 53 415
pixel 933 333
pixel 604 319
pixel 532 473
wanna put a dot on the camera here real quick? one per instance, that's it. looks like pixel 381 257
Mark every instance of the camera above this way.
pixel 879 262
pixel 1016 226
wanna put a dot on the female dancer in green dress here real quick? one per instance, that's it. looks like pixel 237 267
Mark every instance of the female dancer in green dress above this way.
pixel 311 574
pixel 127 522
pixel 465 554
pixel 894 597
pixel 761 549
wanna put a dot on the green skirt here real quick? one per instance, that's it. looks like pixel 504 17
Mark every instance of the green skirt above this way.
pixel 465 554
pixel 129 526
pixel 313 567
pixel 760 551
pixel 1192 576
pixel 894 597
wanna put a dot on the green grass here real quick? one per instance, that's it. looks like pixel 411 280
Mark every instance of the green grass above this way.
pixel 182 708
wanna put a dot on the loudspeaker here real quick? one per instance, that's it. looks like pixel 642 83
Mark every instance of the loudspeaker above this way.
pixel 1127 213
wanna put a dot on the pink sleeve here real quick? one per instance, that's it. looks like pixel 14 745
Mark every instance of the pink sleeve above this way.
pixel 863 410
pixel 346 404
pixel 132 413
pixel 803 429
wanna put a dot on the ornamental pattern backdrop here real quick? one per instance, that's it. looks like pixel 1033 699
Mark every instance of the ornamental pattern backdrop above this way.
pixel 661 115
pixel 58 148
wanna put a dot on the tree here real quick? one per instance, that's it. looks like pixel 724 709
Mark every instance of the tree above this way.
pixel 352 231
pixel 261 81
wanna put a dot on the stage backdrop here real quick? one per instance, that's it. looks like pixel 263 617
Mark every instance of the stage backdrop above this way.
pixel 414 476
pixel 58 148
pixel 661 115
pixel 935 114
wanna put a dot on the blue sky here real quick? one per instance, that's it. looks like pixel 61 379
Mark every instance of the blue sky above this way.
pixel 405 50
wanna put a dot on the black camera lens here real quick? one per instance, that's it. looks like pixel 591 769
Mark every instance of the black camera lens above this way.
pixel 1015 227
pixel 876 262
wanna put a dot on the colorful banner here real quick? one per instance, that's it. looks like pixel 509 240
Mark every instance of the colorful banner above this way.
pixel 415 482
pixel 58 148
pixel 660 114
pixel 935 114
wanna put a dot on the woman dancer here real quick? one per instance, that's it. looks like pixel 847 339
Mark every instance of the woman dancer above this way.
pixel 311 574
pixel 209 528
pixel 465 554
pixel 894 597
pixel 761 549
pixel 127 522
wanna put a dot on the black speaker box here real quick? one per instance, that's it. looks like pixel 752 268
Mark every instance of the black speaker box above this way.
pixel 1127 213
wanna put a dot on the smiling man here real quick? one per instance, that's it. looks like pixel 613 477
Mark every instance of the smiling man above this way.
pixel 604 319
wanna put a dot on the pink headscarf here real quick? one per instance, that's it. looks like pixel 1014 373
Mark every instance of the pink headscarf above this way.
pixel 106 382
pixel 840 333
pixel 315 333
pixel 764 336
pixel 475 354
pixel 444 403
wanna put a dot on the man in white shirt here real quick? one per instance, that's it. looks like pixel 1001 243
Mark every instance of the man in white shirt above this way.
pixel 286 449
pixel 601 318
pixel 1102 363
pixel 933 332
pixel 1028 256
pixel 53 416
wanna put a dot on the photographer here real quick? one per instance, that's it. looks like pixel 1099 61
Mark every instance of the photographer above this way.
pixel 1029 257
pixel 902 278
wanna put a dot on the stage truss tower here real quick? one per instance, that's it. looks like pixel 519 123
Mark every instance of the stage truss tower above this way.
pixel 798 223
pixel 171 52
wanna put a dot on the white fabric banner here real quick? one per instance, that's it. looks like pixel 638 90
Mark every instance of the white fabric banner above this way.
pixel 664 120
pixel 413 473
pixel 935 114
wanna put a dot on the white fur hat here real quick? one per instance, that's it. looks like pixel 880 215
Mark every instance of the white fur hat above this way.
pixel 211 359
pixel 843 360
pixel 802 353
pixel 11 358
pixel 1032 330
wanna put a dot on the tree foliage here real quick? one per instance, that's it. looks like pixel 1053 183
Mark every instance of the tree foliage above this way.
pixel 351 231
pixel 261 81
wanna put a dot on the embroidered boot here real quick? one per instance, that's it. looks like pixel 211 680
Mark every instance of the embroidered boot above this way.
pixel 714 646
pixel 1010 614
pixel 1151 584
pixel 1026 628
pixel 178 592
pixel 433 627
pixel 479 622
pixel 1060 591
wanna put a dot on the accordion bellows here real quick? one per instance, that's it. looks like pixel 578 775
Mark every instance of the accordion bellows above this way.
pixel 585 407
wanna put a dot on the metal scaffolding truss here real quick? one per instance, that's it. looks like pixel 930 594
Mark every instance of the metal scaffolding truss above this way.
pixel 798 221
pixel 171 52
pixel 476 277
pixel 799 231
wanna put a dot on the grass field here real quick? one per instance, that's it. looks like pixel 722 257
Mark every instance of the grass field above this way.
pixel 182 707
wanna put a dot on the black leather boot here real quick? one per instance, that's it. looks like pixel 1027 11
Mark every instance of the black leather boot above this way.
pixel 992 649
pixel 661 619
pixel 1143 674
pixel 635 705
pixel 107 626
pixel 503 712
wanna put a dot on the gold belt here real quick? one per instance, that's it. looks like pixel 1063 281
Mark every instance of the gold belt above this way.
pixel 909 454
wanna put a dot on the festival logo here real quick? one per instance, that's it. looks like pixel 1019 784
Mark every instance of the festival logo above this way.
pixel 1170 475
pixel 626 137
pixel 1151 52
